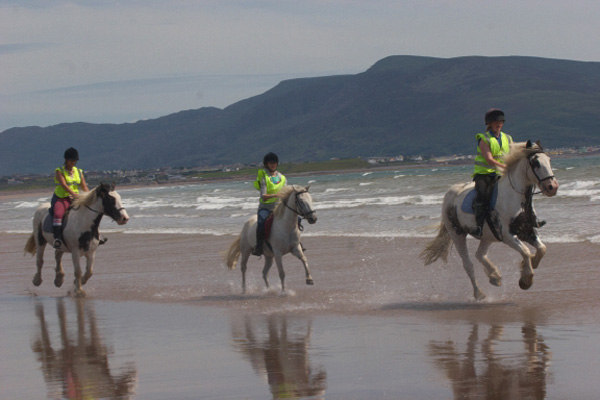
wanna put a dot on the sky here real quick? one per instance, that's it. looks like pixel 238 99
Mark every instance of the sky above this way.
pixel 116 61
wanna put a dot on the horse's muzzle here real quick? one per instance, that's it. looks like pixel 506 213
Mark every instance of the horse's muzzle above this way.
pixel 123 218
pixel 312 218
pixel 549 187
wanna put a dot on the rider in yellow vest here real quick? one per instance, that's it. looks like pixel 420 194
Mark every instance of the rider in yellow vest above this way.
pixel 491 147
pixel 67 178
pixel 269 181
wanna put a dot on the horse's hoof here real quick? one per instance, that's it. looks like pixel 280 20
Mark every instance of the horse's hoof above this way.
pixel 58 280
pixel 479 295
pixel 37 280
pixel 496 281
pixel 524 285
pixel 310 282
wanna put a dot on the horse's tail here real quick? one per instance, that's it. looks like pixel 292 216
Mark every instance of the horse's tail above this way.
pixel 30 246
pixel 438 247
pixel 233 253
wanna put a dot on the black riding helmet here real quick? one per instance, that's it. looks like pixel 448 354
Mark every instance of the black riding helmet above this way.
pixel 494 114
pixel 71 154
pixel 270 157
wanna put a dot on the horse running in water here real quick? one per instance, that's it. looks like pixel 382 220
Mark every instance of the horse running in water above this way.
pixel 512 220
pixel 80 232
pixel 293 201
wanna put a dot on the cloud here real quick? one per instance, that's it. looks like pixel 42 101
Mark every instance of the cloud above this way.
pixel 116 48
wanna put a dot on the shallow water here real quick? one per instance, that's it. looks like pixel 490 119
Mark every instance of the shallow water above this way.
pixel 163 318
pixel 81 348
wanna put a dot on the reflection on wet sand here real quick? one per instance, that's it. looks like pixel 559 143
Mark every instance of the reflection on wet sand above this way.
pixel 80 369
pixel 490 368
pixel 279 353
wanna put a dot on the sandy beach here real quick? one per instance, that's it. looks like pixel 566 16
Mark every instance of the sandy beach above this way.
pixel 164 318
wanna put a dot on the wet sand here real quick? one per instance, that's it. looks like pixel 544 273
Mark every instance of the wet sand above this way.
pixel 164 318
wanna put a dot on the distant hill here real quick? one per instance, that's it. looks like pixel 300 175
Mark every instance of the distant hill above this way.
pixel 402 105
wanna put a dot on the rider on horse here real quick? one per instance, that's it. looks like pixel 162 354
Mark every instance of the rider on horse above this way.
pixel 269 181
pixel 492 146
pixel 67 178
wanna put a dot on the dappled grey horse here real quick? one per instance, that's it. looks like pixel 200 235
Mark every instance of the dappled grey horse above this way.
pixel 293 201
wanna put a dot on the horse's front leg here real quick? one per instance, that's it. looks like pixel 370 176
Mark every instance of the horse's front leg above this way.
pixel 89 266
pixel 526 269
pixel 490 269
pixel 540 251
pixel 297 251
pixel 60 272
pixel 77 269
pixel 279 262
pixel 266 268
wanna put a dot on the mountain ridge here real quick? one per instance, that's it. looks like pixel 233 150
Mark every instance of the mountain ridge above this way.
pixel 401 105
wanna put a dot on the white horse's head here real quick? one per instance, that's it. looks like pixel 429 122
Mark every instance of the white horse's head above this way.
pixel 304 205
pixel 111 202
pixel 540 170
pixel 297 199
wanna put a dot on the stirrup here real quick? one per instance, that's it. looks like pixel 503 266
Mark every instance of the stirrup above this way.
pixel 478 232
pixel 57 243
pixel 257 251
pixel 102 240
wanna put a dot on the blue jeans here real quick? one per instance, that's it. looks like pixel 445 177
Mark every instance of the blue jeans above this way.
pixel 263 214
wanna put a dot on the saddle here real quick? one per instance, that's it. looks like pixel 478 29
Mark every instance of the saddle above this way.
pixel 467 204
pixel 47 223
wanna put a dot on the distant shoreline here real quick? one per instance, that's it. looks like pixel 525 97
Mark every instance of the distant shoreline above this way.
pixel 16 191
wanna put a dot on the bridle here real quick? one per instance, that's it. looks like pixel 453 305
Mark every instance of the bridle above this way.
pixel 299 205
pixel 117 211
pixel 530 163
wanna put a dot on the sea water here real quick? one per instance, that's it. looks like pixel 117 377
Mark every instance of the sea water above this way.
pixel 383 203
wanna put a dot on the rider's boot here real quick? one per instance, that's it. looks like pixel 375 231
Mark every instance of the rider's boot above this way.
pixel 57 232
pixel 480 214
pixel 260 238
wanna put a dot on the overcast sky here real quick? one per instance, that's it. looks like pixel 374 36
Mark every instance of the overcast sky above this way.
pixel 122 61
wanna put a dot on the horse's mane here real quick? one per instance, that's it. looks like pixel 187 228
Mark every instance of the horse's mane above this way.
pixel 519 151
pixel 284 195
pixel 85 199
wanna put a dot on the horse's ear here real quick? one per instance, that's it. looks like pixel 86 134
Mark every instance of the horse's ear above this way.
pixel 102 188
pixel 308 187
pixel 528 145
pixel 112 186
pixel 539 144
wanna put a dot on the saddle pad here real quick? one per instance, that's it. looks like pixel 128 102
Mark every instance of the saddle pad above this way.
pixel 467 204
pixel 47 224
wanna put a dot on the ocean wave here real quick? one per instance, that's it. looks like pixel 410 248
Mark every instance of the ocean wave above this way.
pixel 380 201
pixel 336 190
pixel 29 204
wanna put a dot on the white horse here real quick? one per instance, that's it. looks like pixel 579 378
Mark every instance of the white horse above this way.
pixel 293 201
pixel 512 220
pixel 80 232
